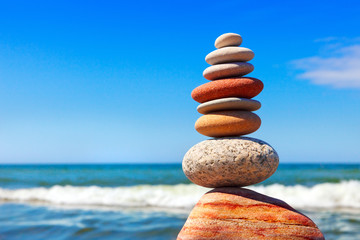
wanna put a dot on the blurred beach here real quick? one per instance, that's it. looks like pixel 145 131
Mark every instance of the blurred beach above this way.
pixel 152 201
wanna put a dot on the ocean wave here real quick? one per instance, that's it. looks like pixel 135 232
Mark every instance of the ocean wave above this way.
pixel 345 194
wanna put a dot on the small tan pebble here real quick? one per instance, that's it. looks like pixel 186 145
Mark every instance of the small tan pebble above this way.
pixel 229 104
pixel 228 39
pixel 228 123
pixel 229 54
pixel 227 70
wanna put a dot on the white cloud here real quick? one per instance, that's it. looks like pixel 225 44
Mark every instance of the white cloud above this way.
pixel 339 69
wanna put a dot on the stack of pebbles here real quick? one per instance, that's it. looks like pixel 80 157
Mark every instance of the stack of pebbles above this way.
pixel 227 105
pixel 226 100
pixel 228 161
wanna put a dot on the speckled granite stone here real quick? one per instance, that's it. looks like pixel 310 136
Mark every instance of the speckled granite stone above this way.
pixel 228 162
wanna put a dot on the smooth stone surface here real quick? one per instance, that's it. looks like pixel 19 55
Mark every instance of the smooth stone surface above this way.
pixel 239 213
pixel 228 123
pixel 229 104
pixel 246 87
pixel 230 162
pixel 229 54
pixel 227 70
pixel 228 39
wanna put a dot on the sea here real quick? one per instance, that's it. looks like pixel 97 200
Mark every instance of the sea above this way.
pixel 152 201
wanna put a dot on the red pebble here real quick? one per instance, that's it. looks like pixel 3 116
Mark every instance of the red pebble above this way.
pixel 245 87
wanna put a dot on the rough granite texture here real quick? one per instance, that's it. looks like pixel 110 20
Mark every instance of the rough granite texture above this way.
pixel 239 213
pixel 245 87
pixel 229 104
pixel 226 70
pixel 228 39
pixel 227 162
pixel 229 54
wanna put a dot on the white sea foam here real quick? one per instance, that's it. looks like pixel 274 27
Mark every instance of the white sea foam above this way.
pixel 345 194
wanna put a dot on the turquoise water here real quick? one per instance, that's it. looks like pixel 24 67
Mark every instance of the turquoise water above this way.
pixel 152 201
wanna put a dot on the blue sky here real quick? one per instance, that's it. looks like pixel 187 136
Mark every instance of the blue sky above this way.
pixel 110 81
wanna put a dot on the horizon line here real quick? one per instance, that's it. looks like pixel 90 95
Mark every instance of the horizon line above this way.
pixel 151 163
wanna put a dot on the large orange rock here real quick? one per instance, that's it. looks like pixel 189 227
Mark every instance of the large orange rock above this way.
pixel 239 213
